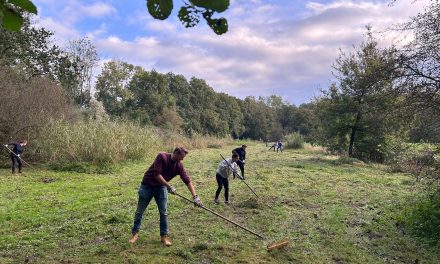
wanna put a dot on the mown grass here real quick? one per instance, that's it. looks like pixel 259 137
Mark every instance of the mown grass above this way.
pixel 331 210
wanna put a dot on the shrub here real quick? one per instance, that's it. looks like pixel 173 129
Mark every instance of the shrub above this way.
pixel 29 104
pixel 423 218
pixel 419 159
pixel 295 141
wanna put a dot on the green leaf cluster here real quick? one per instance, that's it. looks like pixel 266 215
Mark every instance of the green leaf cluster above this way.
pixel 191 12
pixel 11 13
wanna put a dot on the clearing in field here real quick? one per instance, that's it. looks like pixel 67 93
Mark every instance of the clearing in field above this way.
pixel 331 210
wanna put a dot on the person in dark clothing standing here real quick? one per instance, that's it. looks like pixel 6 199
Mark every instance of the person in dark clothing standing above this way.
pixel 279 146
pixel 273 147
pixel 16 154
pixel 241 158
pixel 155 184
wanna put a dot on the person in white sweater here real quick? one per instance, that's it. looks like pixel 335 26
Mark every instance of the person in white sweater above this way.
pixel 225 169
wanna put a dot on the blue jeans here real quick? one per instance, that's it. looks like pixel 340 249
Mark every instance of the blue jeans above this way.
pixel 160 195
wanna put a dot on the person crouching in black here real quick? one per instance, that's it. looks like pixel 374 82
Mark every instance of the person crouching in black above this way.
pixel 241 152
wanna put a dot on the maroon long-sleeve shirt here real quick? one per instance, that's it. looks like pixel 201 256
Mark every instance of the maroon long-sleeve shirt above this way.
pixel 163 165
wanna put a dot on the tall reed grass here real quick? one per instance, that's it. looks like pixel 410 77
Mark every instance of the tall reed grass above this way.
pixel 110 142
pixel 94 142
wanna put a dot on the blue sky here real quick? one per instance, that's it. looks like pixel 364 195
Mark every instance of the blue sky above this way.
pixel 272 47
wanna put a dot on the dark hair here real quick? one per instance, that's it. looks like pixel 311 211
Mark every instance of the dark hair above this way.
pixel 181 150
pixel 23 141
pixel 235 155
pixel 244 146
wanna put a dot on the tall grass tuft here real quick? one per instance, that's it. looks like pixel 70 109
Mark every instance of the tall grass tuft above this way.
pixel 95 142
pixel 109 142
pixel 294 141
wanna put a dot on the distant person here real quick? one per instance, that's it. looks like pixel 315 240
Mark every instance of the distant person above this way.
pixel 155 184
pixel 241 158
pixel 273 147
pixel 16 154
pixel 279 146
pixel 224 170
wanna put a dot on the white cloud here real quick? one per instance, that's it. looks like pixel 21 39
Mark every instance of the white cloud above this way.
pixel 74 11
pixel 98 9
pixel 102 30
pixel 161 26
pixel 70 12
pixel 270 48
pixel 64 33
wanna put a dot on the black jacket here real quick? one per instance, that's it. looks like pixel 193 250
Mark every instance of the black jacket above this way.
pixel 241 153
pixel 18 149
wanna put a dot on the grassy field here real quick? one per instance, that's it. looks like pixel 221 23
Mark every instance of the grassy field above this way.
pixel 331 211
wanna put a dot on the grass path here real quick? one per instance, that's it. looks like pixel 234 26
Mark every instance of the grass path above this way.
pixel 330 211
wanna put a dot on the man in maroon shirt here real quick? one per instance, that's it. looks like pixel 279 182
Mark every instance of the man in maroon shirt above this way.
pixel 155 184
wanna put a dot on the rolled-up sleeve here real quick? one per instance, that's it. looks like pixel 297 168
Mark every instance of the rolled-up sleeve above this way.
pixel 183 175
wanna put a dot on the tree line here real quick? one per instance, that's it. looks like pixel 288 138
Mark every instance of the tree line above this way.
pixel 192 106
pixel 129 92
pixel 379 94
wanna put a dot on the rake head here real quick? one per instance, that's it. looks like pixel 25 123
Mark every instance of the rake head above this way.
pixel 278 244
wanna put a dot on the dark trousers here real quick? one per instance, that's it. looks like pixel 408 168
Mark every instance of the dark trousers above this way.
pixel 241 166
pixel 220 183
pixel 14 160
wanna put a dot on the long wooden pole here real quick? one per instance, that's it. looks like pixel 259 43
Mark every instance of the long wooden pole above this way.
pixel 222 217
pixel 18 156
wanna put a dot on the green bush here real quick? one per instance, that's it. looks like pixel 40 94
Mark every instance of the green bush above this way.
pixel 419 159
pixel 295 141
pixel 422 219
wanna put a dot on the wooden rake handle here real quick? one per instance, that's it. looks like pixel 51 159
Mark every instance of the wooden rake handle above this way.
pixel 18 157
pixel 222 217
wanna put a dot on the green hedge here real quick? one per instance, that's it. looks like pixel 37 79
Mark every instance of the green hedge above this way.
pixel 294 141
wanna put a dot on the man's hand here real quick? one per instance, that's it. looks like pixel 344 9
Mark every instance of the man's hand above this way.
pixel 243 161
pixel 18 155
pixel 6 145
pixel 172 190
pixel 197 200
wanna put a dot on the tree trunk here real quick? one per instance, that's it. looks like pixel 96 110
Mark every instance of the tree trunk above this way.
pixel 353 133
